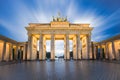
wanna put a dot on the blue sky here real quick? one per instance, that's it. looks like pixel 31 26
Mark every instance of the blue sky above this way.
pixel 103 15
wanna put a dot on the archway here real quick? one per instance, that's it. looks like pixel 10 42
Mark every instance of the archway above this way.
pixel 59 49
pixel 71 48
pixel 48 52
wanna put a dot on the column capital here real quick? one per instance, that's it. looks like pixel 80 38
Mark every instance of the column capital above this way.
pixel 112 42
pixel 78 34
pixel 67 35
pixel 106 43
pixel 29 34
pixel 52 34
pixel 4 42
pixel 41 36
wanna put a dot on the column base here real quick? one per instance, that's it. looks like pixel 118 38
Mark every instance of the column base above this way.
pixel 76 59
pixel 52 59
pixel 79 59
pixel 3 61
pixel 10 60
pixel 29 60
pixel 67 59
pixel 41 60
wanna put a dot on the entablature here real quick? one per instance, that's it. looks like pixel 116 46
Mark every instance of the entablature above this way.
pixel 59 28
pixel 59 32
pixel 57 25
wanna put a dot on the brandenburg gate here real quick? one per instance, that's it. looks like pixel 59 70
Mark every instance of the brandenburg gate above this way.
pixel 59 29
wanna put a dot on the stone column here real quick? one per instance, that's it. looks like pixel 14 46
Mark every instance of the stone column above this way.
pixel 41 47
pixel 75 54
pixel 95 51
pixel 20 52
pixel 7 52
pixel 101 52
pixel 88 39
pixel 52 47
pixel 44 48
pixel 29 50
pixel 67 47
pixel 78 47
pixel 1 49
pixel 4 51
pixel 24 52
pixel 113 50
pixel 106 51
pixel 16 52
pixel 81 44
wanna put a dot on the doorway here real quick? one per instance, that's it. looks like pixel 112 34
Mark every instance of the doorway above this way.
pixel 13 54
pixel 103 53
pixel 119 52
pixel 59 49
pixel 48 49
pixel 71 48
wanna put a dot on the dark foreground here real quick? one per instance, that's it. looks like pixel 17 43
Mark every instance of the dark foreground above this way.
pixel 60 70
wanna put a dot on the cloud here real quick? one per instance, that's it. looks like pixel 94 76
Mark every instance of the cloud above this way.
pixel 41 11
pixel 16 31
pixel 59 47
pixel 100 37
pixel 108 22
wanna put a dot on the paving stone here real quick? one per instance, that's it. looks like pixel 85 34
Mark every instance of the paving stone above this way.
pixel 60 70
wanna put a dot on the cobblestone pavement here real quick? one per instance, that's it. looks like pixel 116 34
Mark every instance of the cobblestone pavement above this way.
pixel 60 70
pixel 8 63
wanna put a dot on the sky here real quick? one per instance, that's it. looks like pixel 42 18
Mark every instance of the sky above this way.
pixel 103 15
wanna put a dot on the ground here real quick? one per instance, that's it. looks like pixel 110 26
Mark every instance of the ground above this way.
pixel 60 70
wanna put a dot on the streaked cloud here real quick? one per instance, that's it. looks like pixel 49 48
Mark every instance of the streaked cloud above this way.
pixel 16 14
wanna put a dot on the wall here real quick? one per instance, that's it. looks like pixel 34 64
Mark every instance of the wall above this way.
pixel 1 50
